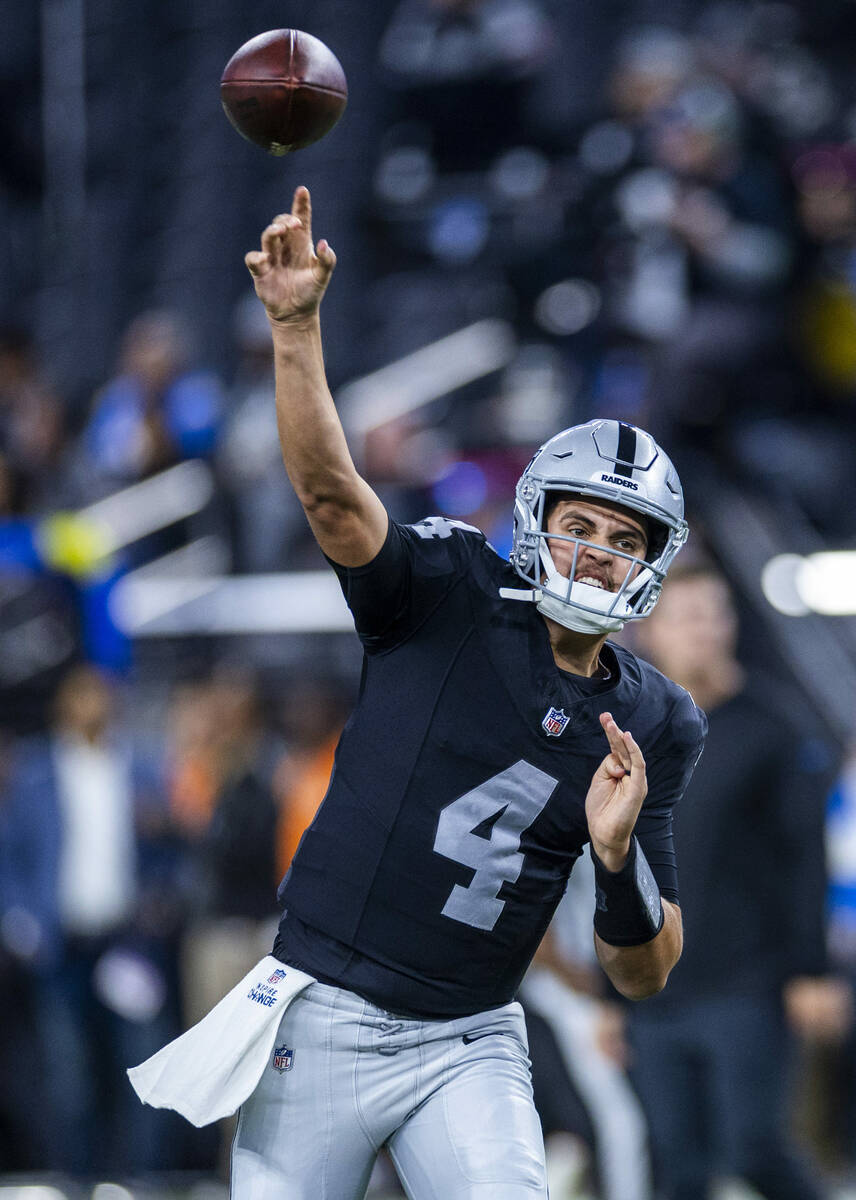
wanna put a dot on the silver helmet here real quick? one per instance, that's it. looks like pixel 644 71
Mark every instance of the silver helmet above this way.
pixel 602 460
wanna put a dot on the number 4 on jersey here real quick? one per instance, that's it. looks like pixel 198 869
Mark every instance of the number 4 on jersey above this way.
pixel 482 830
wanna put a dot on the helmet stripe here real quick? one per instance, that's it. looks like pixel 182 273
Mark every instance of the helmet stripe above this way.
pixel 626 452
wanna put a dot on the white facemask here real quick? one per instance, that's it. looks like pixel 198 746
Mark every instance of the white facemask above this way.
pixel 585 608
pixel 550 605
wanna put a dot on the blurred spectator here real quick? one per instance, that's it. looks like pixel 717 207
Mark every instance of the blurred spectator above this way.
pixel 838 1063
pixel 22 1087
pixel 810 453
pixel 157 410
pixel 222 800
pixel 32 428
pixel 756 49
pixel 40 630
pixel 732 210
pixel 73 803
pixel 565 988
pixel 55 581
pixel 224 756
pixel 465 65
pixel 266 516
pixel 463 184
pixel 314 716
pixel 712 1051
pixel 651 63
pixel 841 854
pixel 696 243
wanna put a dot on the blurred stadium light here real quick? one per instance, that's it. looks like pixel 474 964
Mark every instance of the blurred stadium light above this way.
pixel 778 583
pixel 823 583
pixel 208 555
pixel 295 602
pixel 82 542
pixel 143 508
pixel 31 1191
pixel 774 539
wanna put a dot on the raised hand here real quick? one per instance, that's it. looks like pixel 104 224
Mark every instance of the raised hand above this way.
pixel 290 274
pixel 615 796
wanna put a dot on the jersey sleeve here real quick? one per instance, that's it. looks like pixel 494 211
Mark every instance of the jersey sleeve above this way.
pixel 669 770
pixel 413 572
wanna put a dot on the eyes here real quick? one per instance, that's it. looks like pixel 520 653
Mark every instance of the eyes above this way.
pixel 629 543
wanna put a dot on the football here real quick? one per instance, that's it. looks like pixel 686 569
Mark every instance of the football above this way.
pixel 283 90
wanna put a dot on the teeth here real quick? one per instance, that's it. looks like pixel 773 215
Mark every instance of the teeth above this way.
pixel 589 579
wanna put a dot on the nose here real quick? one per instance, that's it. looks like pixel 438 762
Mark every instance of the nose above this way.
pixel 599 554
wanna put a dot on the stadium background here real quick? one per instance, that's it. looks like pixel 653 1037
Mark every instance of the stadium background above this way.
pixel 544 210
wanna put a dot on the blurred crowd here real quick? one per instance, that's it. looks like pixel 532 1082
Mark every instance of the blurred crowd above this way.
pixel 137 884
pixel 648 212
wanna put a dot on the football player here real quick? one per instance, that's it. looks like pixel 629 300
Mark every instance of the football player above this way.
pixel 492 739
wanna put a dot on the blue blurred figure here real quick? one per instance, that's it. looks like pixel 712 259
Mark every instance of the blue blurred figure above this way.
pixel 157 410
pixel 75 802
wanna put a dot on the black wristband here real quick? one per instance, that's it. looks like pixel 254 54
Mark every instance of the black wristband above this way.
pixel 629 911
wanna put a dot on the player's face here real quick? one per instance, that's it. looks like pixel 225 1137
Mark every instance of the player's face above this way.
pixel 610 526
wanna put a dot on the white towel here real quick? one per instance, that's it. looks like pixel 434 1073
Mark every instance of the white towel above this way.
pixel 210 1070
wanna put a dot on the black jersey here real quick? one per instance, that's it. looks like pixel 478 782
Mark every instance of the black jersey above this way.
pixel 456 807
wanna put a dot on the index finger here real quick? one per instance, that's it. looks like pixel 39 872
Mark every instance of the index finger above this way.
pixel 615 737
pixel 301 206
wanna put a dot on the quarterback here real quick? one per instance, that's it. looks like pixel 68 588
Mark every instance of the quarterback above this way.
pixel 497 731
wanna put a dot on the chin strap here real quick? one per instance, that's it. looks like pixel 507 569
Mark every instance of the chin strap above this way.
pixel 556 610
pixel 573 618
pixel 533 594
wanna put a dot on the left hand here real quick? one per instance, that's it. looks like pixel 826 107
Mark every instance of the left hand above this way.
pixel 618 787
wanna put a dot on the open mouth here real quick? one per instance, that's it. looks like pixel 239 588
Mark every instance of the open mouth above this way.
pixel 592 581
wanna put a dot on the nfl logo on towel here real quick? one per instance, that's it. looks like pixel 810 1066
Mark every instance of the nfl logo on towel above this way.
pixel 283 1059
pixel 555 722
pixel 277 976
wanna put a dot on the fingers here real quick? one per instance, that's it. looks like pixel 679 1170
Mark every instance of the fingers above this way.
pixel 637 760
pixel 326 257
pixel 301 206
pixel 615 737
pixel 257 263
pixel 275 237
pixel 613 767
pixel 289 234
pixel 622 745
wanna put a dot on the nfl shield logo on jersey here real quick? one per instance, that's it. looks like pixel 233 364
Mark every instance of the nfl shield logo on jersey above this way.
pixel 283 1059
pixel 555 722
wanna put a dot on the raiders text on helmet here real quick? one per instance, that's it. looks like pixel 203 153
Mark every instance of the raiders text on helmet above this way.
pixel 603 460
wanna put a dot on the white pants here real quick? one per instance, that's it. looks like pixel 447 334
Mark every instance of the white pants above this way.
pixel 458 1117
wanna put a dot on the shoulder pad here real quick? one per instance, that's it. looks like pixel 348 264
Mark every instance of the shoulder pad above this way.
pixel 689 722
pixel 685 726
pixel 441 527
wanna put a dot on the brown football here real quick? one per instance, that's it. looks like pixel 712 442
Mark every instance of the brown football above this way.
pixel 283 90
